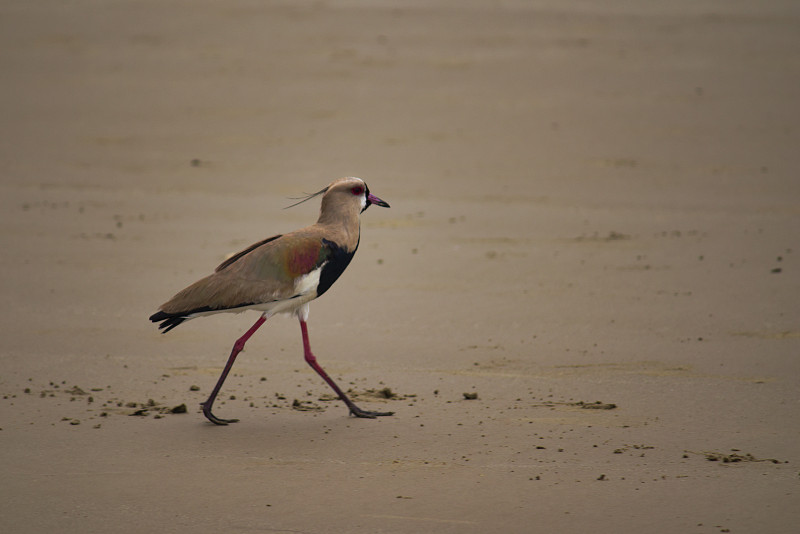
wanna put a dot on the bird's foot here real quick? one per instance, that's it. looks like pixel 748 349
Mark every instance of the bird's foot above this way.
pixel 213 418
pixel 358 412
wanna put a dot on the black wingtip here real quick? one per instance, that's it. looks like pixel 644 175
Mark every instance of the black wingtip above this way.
pixel 168 320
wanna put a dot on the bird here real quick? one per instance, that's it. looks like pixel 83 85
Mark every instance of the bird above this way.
pixel 281 274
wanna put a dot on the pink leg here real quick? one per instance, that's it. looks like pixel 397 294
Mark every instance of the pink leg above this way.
pixel 312 361
pixel 237 348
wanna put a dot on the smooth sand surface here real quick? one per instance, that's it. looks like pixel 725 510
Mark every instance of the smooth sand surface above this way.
pixel 591 202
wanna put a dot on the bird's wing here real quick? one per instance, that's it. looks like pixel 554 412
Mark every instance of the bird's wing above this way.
pixel 244 252
pixel 265 272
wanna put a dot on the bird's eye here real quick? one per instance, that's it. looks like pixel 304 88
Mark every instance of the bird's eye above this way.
pixel 357 190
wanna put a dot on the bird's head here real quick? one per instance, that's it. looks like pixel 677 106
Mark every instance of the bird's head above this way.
pixel 351 192
pixel 345 195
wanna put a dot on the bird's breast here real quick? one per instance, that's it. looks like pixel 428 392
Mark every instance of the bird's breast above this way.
pixel 309 282
pixel 338 259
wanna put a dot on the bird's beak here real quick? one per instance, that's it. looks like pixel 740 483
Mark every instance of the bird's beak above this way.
pixel 372 199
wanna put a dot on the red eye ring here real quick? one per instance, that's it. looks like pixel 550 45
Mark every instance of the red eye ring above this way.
pixel 357 190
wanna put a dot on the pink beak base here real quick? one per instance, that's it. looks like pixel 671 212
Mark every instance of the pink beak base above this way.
pixel 372 199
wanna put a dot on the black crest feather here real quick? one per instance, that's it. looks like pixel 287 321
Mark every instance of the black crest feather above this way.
pixel 304 199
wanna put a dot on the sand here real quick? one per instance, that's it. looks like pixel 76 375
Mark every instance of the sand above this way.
pixel 591 203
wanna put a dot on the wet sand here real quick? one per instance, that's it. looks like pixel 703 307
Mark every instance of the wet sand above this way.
pixel 584 300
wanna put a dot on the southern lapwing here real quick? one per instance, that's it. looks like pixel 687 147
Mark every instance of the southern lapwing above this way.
pixel 281 274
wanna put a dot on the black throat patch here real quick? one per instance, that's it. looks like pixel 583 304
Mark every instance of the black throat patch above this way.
pixel 337 261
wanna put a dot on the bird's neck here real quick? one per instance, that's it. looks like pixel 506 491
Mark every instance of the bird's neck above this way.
pixel 347 219
pixel 344 229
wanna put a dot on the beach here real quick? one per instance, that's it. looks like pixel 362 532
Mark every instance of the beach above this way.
pixel 583 305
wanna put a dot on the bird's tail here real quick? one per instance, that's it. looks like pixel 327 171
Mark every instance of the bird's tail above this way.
pixel 168 320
